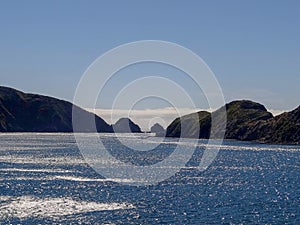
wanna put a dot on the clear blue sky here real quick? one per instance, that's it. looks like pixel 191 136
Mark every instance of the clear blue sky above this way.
pixel 253 47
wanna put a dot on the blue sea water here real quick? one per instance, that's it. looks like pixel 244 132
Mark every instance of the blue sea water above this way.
pixel 45 180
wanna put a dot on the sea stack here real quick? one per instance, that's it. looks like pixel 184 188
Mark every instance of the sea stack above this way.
pixel 125 125
pixel 158 130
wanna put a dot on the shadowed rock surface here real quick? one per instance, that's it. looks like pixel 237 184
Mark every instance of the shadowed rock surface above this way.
pixel 241 116
pixel 246 121
pixel 284 128
pixel 191 129
pixel 125 125
pixel 21 112
pixel 158 130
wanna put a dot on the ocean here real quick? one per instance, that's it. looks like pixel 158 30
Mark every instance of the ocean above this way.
pixel 44 179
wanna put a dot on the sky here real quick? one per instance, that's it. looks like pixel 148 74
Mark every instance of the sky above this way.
pixel 252 47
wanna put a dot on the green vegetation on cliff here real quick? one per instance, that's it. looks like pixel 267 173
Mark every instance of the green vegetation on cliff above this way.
pixel 246 121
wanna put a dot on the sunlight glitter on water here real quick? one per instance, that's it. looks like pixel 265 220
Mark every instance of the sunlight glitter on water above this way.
pixel 44 180
pixel 29 206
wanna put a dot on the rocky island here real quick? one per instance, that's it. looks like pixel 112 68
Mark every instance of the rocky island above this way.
pixel 246 121
pixel 125 125
pixel 158 130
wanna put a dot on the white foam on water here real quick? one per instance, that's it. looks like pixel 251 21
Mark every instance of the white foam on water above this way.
pixel 35 170
pixel 23 179
pixel 70 178
pixel 227 146
pixel 32 159
pixel 80 179
pixel 31 207
pixel 260 147
pixel 84 179
pixel 244 168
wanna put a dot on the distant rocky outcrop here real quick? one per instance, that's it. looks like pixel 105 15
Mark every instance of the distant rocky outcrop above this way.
pixel 158 130
pixel 125 125
pixel 246 121
pixel 21 112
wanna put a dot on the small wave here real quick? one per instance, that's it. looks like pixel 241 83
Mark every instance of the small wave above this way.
pixel 35 170
pixel 23 179
pixel 69 178
pixel 29 206
pixel 84 179
pixel 32 159
pixel 80 179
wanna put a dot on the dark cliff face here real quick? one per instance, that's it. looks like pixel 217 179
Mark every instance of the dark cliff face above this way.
pixel 241 116
pixel 125 125
pixel 21 112
pixel 246 121
pixel 188 127
pixel 284 128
